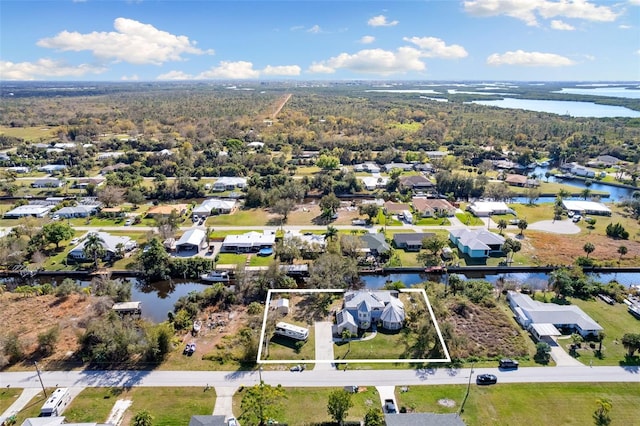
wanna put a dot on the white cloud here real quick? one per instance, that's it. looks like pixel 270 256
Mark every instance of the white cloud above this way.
pixel 381 21
pixel 373 61
pixel 282 70
pixel 175 75
pixel 367 39
pixel 133 77
pixel 239 70
pixel 624 27
pixel 556 24
pixel 526 10
pixel 590 57
pixel 638 52
pixel 132 42
pixel 634 2
pixel 435 48
pixel 44 68
pixel 529 59
pixel 315 29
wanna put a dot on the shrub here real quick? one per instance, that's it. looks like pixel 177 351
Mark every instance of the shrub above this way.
pixel 617 231
pixel 47 340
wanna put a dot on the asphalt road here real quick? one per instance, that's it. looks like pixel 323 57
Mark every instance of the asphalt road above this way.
pixel 311 378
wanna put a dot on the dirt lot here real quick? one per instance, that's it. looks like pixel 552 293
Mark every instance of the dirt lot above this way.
pixel 30 316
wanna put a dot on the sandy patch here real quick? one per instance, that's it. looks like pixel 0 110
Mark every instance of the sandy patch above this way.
pixel 446 402
pixel 555 226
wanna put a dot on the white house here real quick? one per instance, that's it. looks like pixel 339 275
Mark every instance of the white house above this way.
pixel 544 319
pixel 229 184
pixel 487 208
pixel 193 239
pixel 47 183
pixel 34 210
pixel 587 207
pixel 476 243
pixel 50 168
pixel 214 205
pixel 367 307
pixel 367 167
pixel 80 210
pixel 111 244
pixel 251 242
pixel 373 182
pixel 309 242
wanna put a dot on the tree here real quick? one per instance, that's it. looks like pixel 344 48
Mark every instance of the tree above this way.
pixel 153 261
pixel 631 342
pixel 261 403
pixel 339 404
pixel 142 418
pixel 369 209
pixel 434 244
pixel 522 225
pixel 588 248
pixel 374 417
pixel 622 250
pixel 502 225
pixel 561 282
pixel 330 203
pixel 601 415
pixel 47 340
pixel 511 247
pixel 331 232
pixel 111 195
pixel 135 197
pixel 563 193
pixel 600 338
pixel 168 225
pixel 456 283
pixel 94 248
pixel 55 232
pixel 585 193
pixel 283 207
pixel 332 270
pixel 543 353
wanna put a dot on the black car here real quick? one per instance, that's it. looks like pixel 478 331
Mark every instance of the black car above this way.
pixel 507 363
pixel 486 379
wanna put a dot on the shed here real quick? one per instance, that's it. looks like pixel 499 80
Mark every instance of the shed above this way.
pixel 281 306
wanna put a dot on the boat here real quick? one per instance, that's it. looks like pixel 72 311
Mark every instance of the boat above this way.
pixel 215 277
pixel 435 270
pixel 635 311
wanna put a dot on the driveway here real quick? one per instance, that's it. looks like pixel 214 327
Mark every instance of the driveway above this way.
pixel 555 226
pixel 324 346
pixel 560 356
pixel 387 392
pixel 224 401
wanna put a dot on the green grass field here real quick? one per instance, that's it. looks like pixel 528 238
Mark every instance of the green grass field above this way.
pixel 524 404
pixel 38 133
pixel 469 219
pixel 250 217
pixel 286 349
pixel 172 406
pixel 7 397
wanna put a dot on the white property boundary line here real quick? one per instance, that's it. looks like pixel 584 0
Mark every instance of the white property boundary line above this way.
pixel 314 361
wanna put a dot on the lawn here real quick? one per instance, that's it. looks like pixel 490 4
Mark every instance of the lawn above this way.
pixel 616 321
pixel 522 404
pixel 385 345
pixel 170 406
pixel 38 133
pixel 281 347
pixel 93 405
pixel 469 219
pixel 241 259
pixel 8 397
pixel 432 221
pixel 32 409
pixel 308 406
pixel 250 217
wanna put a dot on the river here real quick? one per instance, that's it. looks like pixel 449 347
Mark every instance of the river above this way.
pixel 570 108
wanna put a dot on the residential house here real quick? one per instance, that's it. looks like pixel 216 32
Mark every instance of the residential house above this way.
pixel 51 168
pixel 521 181
pixel 432 207
pixel 579 170
pixel 308 242
pixel 405 167
pixel 410 241
pixel 32 210
pixel 19 169
pixel 367 167
pixel 436 155
pixel 395 208
pixel 81 210
pixel 227 183
pixel 424 167
pixel 374 182
pixel 544 319
pixel 194 239
pixel 214 206
pixel 47 183
pixel 604 161
pixel 375 244
pixel 83 183
pixel 476 243
pixel 586 207
pixel 344 321
pixel 108 155
pixel 166 210
pixel 367 307
pixel 112 244
pixel 487 208
pixel 108 169
pixel 416 183
pixel 251 242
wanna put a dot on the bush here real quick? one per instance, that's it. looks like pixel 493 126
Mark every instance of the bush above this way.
pixel 617 231
pixel 13 348
pixel 47 341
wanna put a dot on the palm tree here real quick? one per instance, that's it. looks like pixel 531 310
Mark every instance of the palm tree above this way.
pixel 142 418
pixel 331 232
pixel 94 248
pixel 502 225
pixel 563 193
pixel 522 225
pixel 585 193
pixel 601 415
pixel 588 248
pixel 622 250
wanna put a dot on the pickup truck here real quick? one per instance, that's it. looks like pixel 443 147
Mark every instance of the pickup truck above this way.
pixel 389 406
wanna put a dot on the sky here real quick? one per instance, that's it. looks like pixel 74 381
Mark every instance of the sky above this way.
pixel 148 40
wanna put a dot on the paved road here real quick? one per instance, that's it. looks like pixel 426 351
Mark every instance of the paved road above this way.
pixel 313 378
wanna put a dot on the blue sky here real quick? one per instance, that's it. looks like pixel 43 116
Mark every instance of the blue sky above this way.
pixel 97 40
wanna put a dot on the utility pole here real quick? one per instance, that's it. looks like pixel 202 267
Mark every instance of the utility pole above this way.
pixel 40 378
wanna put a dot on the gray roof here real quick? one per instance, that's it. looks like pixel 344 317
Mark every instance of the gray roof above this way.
pixel 192 237
pixel 376 241
pixel 550 313
pixel 343 317
pixel 393 312
pixel 423 419
pixel 411 238
pixel 110 242
pixel 479 239
pixel 207 421
pixel 353 299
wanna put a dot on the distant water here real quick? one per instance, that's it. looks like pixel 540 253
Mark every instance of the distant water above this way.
pixel 614 92
pixel 572 108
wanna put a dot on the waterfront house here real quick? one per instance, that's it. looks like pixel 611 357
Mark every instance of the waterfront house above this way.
pixel 192 240
pixel 113 246
pixel 410 241
pixel 416 183
pixel 251 242
pixel 228 183
pixel 432 207
pixel 476 243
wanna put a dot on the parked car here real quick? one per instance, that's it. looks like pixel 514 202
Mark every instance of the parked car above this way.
pixel 576 218
pixel 298 367
pixel 486 379
pixel 74 241
pixel 128 222
pixel 507 363
pixel 389 406
pixel 231 421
